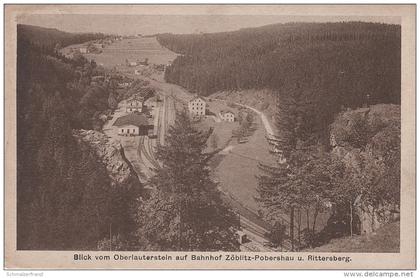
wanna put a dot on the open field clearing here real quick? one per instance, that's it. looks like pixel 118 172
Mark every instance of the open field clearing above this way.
pixel 133 50
pixel 222 133
pixel 238 169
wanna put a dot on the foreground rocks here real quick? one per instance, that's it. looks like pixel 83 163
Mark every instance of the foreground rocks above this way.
pixel 368 141
pixel 111 154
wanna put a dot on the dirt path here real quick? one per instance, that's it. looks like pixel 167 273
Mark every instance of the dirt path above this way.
pixel 264 119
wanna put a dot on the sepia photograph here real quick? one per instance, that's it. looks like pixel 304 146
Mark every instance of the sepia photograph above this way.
pixel 257 137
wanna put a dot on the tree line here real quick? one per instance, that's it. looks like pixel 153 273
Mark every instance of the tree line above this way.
pixel 49 39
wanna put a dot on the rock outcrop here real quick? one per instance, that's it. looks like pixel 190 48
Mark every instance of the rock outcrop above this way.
pixel 367 141
pixel 111 154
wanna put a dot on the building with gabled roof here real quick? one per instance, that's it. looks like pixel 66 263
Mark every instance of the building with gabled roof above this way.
pixel 132 125
pixel 134 105
pixel 227 116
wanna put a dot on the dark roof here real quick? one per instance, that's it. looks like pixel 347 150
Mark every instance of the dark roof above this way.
pixel 132 119
pixel 138 98
pixel 197 97
pixel 226 111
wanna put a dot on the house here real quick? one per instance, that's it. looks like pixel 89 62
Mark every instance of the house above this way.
pixel 135 105
pixel 98 45
pixel 145 62
pixel 83 50
pixel 227 116
pixel 151 102
pixel 197 106
pixel 132 125
pixel 132 64
pixel 69 55
pixel 98 78
pixel 124 85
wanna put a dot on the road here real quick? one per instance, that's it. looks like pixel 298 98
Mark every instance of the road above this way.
pixel 267 125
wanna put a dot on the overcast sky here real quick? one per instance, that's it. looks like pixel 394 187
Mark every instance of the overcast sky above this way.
pixel 152 24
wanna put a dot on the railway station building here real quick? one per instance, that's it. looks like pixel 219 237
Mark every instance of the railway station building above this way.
pixel 133 125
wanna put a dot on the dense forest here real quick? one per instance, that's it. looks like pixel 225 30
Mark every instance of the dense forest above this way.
pixel 64 195
pixel 49 38
pixel 323 66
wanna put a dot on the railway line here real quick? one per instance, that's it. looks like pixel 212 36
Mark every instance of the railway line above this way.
pixel 152 150
pixel 143 150
pixel 146 147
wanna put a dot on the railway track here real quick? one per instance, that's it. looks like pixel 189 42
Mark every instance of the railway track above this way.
pixel 165 118
pixel 146 147
pixel 151 150
pixel 159 122
pixel 143 150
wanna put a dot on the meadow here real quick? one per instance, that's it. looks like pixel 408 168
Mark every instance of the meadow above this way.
pixel 136 49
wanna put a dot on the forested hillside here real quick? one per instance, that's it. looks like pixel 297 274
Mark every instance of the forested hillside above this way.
pixel 330 151
pixel 50 38
pixel 322 66
pixel 65 197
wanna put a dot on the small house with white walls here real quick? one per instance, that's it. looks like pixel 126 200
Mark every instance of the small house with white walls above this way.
pixel 98 45
pixel 83 50
pixel 134 105
pixel 197 106
pixel 227 116
pixel 132 125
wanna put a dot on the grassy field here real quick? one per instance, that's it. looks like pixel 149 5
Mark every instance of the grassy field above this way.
pixel 222 131
pixel 238 169
pixel 115 54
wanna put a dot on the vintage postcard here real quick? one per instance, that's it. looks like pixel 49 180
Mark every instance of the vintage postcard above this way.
pixel 210 137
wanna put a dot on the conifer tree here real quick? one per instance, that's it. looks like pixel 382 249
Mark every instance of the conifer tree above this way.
pixel 185 211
